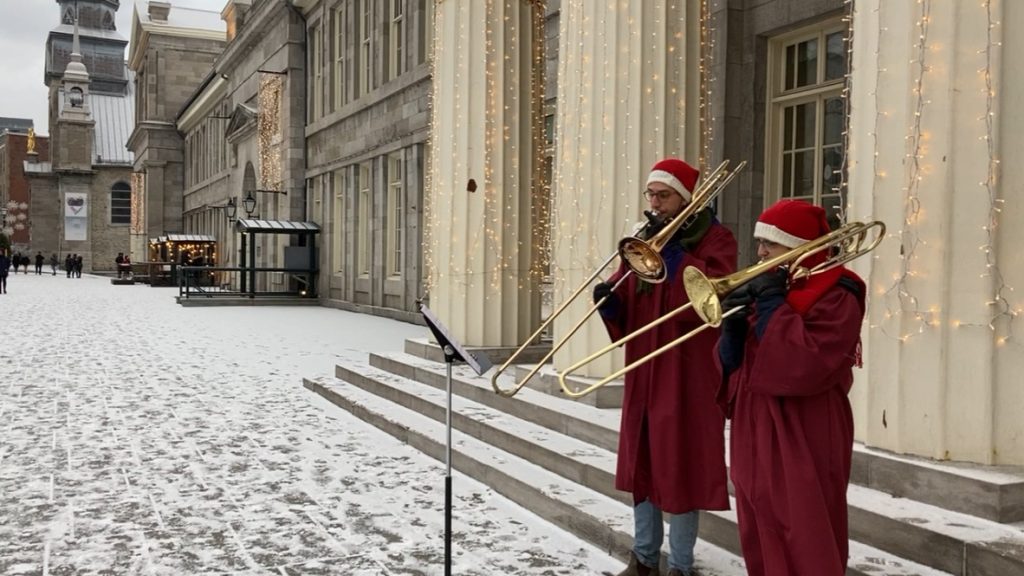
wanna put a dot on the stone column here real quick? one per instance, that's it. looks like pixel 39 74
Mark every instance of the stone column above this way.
pixel 486 106
pixel 629 97
pixel 935 108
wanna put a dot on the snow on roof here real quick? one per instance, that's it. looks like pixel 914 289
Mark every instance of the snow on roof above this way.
pixel 185 14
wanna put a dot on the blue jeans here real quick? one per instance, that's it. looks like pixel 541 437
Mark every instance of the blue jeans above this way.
pixel 649 533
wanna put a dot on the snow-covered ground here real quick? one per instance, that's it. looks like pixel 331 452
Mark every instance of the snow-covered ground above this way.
pixel 139 437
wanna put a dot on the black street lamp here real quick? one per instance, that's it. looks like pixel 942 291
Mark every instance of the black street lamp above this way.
pixel 249 203
pixel 231 209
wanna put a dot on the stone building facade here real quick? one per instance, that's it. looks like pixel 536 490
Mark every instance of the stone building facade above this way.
pixel 172 51
pixel 81 199
pixel 243 131
pixel 367 111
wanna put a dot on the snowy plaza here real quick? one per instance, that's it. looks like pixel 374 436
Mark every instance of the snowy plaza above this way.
pixel 140 437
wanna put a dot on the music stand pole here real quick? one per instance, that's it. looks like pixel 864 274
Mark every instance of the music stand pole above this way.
pixel 449 358
pixel 453 352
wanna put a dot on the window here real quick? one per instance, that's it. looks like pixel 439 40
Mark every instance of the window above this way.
pixel 121 203
pixel 338 72
pixel 396 38
pixel 365 46
pixel 365 239
pixel 807 116
pixel 316 55
pixel 338 218
pixel 396 209
pixel 426 31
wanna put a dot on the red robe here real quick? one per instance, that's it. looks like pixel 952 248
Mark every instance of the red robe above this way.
pixel 791 439
pixel 671 438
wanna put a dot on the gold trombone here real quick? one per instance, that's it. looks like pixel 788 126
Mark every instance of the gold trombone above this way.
pixel 843 244
pixel 643 258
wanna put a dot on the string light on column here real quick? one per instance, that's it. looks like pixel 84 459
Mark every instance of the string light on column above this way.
pixel 999 303
pixel 841 188
pixel 912 209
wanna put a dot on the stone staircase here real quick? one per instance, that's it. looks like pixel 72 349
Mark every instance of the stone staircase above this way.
pixel 556 458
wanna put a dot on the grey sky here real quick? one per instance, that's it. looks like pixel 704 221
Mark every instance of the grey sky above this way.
pixel 24 26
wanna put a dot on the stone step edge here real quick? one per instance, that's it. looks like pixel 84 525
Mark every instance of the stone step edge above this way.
pixel 964 540
pixel 871 468
pixel 496 427
pixel 604 523
pixel 612 531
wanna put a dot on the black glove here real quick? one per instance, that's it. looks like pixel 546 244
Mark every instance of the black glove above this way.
pixel 770 285
pixel 604 291
pixel 740 297
pixel 655 224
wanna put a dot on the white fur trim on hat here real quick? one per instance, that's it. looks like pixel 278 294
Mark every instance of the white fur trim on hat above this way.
pixel 669 180
pixel 775 234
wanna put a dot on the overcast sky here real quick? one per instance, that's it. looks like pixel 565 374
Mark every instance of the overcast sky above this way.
pixel 24 26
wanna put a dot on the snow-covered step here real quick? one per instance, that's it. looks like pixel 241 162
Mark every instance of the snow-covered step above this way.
pixel 583 422
pixel 572 459
pixel 546 380
pixel 593 517
pixel 993 493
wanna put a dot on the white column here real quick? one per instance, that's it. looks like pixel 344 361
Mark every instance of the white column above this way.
pixel 934 110
pixel 485 118
pixel 624 103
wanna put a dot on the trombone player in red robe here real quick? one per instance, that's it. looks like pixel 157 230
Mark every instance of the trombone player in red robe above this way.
pixel 671 455
pixel 787 361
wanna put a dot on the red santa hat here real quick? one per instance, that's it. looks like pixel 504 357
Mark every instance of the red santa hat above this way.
pixel 676 174
pixel 791 223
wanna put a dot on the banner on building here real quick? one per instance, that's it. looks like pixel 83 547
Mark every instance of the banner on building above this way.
pixel 76 217
pixel 138 225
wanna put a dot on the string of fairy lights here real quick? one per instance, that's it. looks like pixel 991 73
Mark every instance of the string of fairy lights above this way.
pixel 1000 302
pixel 906 303
pixel 842 187
pixel 269 130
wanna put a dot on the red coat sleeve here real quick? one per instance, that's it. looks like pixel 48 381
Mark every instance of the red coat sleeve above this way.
pixel 805 355
pixel 715 257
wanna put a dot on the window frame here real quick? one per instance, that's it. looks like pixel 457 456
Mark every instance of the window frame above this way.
pixel 395 228
pixel 779 99
pixel 127 201
pixel 364 244
pixel 397 44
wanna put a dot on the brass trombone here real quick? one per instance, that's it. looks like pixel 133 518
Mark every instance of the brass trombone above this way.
pixel 843 244
pixel 644 259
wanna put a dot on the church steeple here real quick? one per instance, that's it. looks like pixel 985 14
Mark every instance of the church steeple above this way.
pixel 75 83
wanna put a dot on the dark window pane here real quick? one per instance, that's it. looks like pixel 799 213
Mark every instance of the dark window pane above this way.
pixel 835 56
pixel 832 160
pixel 834 118
pixel 807 63
pixel 803 173
pixel 804 125
pixel 787 175
pixel 790 67
pixel 787 128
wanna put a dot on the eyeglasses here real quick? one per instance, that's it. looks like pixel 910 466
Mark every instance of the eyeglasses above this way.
pixel 662 195
pixel 767 244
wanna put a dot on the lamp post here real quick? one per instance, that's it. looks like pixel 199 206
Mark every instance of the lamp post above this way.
pixel 231 209
pixel 249 204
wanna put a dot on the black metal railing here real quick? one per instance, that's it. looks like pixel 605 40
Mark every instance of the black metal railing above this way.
pixel 234 282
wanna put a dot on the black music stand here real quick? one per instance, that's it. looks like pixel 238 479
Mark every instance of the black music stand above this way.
pixel 453 352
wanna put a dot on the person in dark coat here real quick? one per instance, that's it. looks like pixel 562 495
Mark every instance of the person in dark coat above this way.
pixel 69 264
pixel 671 455
pixel 40 259
pixel 5 266
pixel 54 263
pixel 789 363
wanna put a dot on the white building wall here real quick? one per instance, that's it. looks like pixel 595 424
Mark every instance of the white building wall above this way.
pixel 935 113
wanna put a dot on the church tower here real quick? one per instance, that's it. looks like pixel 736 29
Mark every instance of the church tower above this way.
pixel 74 127
pixel 100 46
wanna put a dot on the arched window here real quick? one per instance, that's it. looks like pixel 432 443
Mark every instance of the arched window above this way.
pixel 121 203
